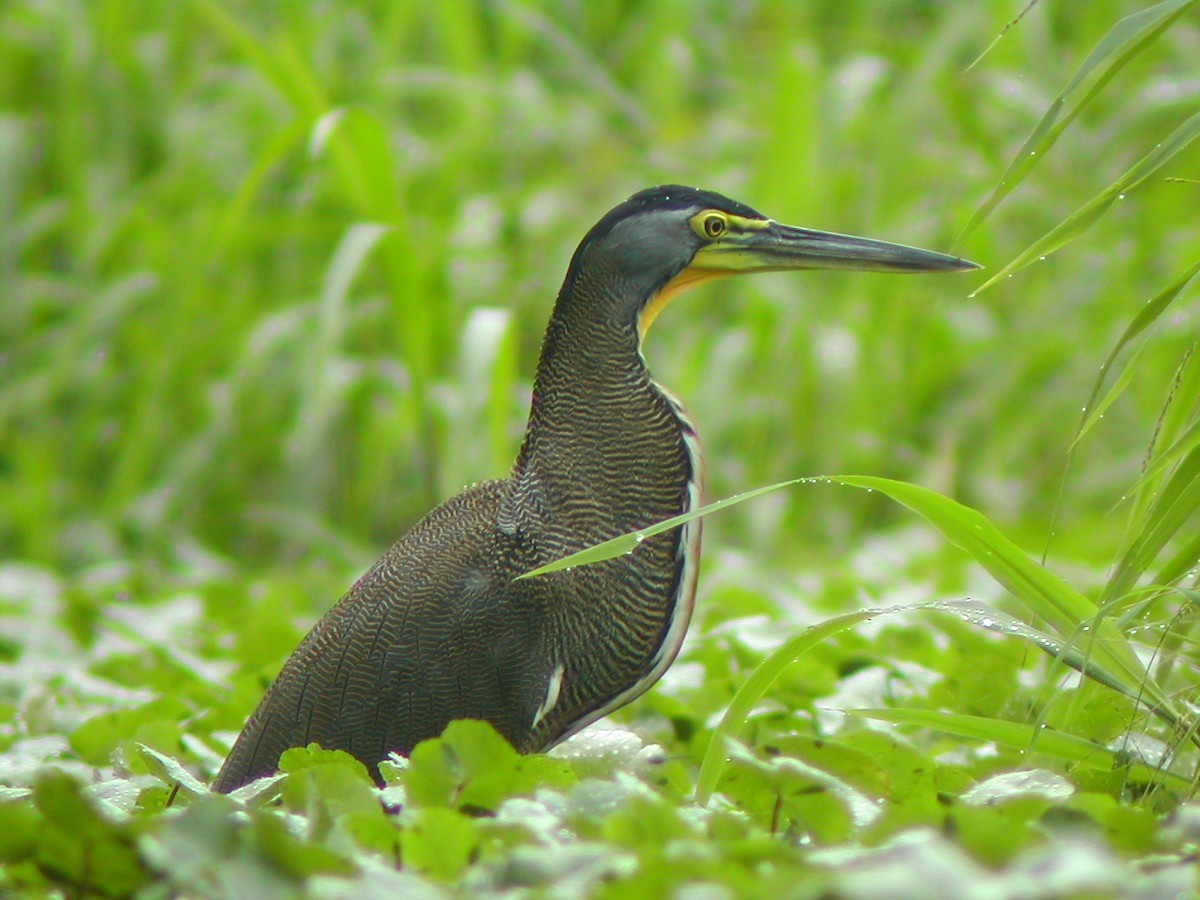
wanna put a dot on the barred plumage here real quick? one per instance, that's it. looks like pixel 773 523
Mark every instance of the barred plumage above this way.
pixel 439 629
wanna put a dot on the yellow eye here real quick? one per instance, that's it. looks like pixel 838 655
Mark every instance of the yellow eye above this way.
pixel 714 225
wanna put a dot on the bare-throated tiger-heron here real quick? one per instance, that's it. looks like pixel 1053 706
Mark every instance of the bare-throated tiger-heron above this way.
pixel 438 629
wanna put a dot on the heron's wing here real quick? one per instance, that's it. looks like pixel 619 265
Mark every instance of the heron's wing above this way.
pixel 432 632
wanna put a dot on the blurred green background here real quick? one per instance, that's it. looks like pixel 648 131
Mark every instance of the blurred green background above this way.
pixel 273 278
pixel 273 275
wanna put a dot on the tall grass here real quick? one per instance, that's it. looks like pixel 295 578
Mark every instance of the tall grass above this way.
pixel 188 358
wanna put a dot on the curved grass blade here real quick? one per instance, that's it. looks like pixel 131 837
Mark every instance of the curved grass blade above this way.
pixel 1044 595
pixel 1180 564
pixel 759 682
pixel 1095 409
pixel 627 543
pixel 1003 31
pixel 1008 733
pixel 1071 651
pixel 1092 211
pixel 1178 500
pixel 271 157
pixel 321 394
pixel 1156 493
pixel 1106 656
pixel 1047 597
pixel 1125 40
pixel 1146 316
pixel 1021 736
pixel 1183 445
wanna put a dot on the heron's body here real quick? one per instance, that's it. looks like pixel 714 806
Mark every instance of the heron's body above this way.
pixel 439 629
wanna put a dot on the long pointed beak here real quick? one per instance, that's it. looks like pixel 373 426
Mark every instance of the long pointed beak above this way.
pixel 776 248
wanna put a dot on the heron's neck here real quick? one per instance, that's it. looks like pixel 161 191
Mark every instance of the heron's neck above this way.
pixel 601 434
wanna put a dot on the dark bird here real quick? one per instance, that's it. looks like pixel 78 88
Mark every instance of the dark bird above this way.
pixel 438 629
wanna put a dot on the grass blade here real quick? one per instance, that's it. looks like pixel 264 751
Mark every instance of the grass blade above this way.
pixel 1146 316
pixel 1177 501
pixel 1095 409
pixel 627 543
pixel 1092 211
pixel 1045 596
pixel 1183 445
pixel 1125 40
pixel 1066 650
pixel 1021 736
pixel 758 684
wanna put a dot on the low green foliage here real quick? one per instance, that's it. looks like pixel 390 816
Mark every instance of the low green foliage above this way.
pixel 271 286
pixel 473 769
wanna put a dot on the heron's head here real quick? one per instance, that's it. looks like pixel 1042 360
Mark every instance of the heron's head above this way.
pixel 664 239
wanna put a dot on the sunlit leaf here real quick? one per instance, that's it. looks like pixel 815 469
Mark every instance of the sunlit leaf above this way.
pixel 171 771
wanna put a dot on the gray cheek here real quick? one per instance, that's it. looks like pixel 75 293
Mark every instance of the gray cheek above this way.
pixel 650 245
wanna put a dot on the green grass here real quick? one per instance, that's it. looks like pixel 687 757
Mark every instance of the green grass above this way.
pixel 272 283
